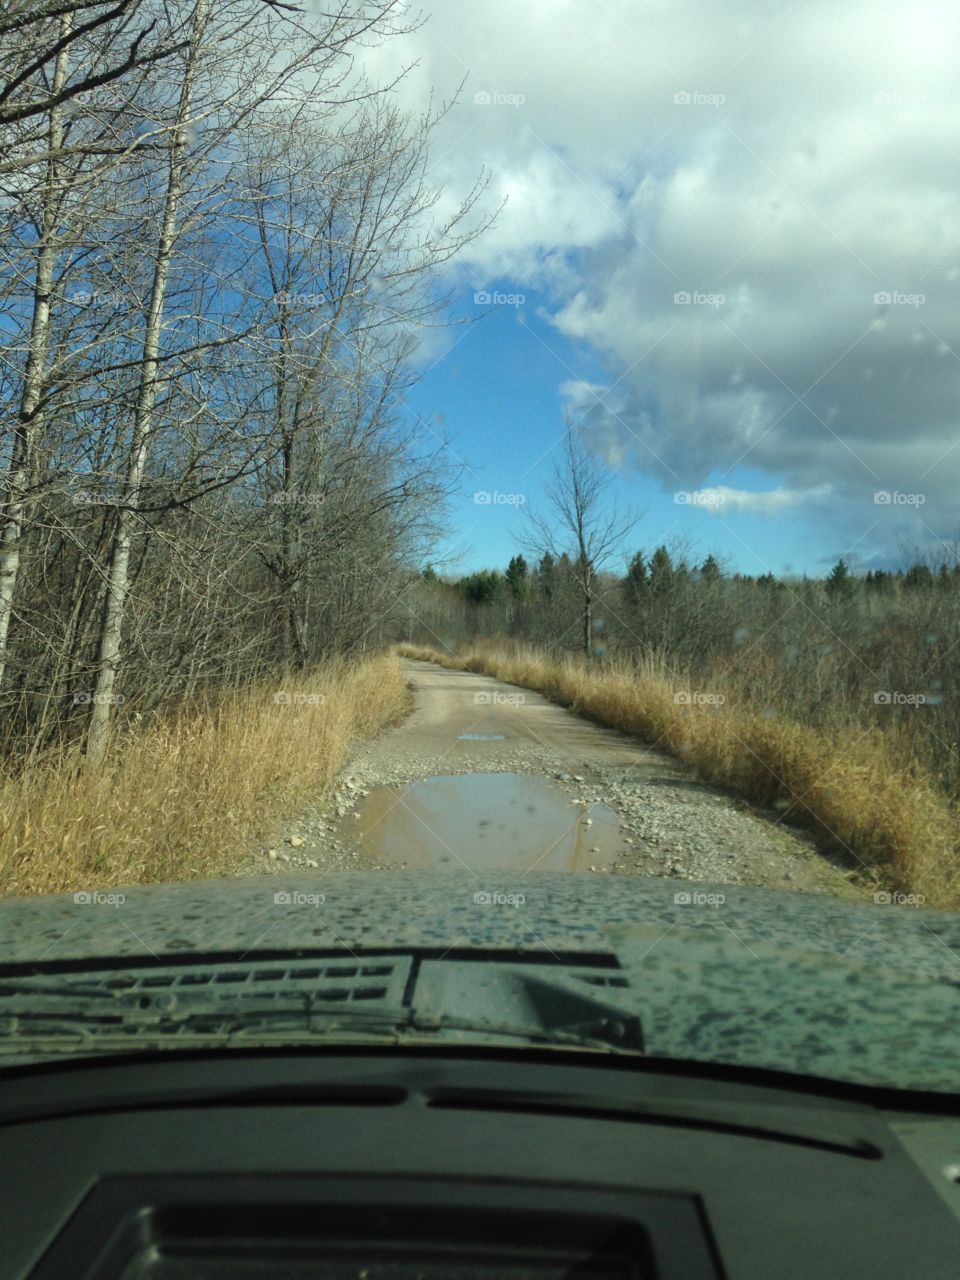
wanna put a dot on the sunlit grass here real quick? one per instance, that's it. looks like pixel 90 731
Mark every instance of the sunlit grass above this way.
pixel 183 795
pixel 863 793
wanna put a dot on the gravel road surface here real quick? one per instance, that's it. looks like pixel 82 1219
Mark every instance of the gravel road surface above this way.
pixel 569 795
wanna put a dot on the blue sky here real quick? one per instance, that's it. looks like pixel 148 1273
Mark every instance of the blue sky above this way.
pixel 740 279
pixel 497 395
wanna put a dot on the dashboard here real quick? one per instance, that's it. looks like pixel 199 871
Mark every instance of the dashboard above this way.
pixel 393 1164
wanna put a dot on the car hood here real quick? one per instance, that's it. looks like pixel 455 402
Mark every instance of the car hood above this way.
pixel 786 981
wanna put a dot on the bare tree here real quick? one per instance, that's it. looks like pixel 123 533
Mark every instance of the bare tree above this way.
pixel 211 278
pixel 343 291
pixel 582 522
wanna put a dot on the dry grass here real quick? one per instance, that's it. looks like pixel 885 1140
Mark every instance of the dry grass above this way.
pixel 182 796
pixel 850 786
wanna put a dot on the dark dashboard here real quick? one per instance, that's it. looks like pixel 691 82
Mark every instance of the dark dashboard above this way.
pixel 390 1165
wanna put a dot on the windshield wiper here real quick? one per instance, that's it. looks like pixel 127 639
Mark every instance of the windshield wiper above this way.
pixel 331 1002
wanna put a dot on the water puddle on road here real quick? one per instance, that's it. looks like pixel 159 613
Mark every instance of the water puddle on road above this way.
pixel 483 821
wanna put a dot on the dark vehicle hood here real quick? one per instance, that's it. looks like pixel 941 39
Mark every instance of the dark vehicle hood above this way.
pixel 720 973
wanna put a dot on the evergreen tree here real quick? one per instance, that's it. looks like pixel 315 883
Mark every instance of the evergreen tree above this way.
pixel 661 571
pixel 516 577
pixel 710 570
pixel 918 575
pixel 547 575
pixel 840 585
pixel 635 582
pixel 485 587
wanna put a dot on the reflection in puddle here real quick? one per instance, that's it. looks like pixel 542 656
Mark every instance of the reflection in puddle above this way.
pixel 481 737
pixel 483 821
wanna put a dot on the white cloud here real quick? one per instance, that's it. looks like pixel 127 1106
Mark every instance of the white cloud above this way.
pixel 822 174
pixel 724 501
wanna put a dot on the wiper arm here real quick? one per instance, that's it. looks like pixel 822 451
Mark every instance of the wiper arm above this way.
pixel 397 1001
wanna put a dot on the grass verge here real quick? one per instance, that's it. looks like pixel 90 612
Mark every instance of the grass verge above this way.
pixel 846 786
pixel 183 795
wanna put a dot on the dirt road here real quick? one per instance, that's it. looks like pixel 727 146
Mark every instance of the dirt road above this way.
pixel 486 775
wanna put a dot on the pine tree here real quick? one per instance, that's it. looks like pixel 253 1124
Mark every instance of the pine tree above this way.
pixel 661 571
pixel 516 577
pixel 840 585
pixel 710 570
pixel 635 582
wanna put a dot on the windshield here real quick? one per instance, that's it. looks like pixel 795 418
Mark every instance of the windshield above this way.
pixel 478 490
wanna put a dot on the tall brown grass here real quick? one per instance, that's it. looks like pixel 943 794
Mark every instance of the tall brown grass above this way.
pixel 860 791
pixel 183 795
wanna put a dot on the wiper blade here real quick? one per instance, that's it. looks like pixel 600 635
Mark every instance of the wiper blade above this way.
pixel 397 998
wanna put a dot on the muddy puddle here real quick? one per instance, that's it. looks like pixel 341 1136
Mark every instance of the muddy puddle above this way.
pixel 483 821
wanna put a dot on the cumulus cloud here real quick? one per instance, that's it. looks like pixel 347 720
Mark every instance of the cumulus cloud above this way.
pixel 750 214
